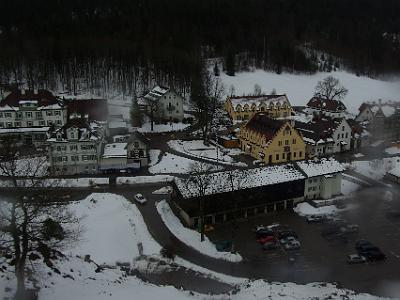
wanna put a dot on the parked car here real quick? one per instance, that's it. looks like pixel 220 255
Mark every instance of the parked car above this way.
pixel 287 240
pixel 264 233
pixel 266 239
pixel 208 228
pixel 374 254
pixel 287 233
pixel 362 243
pixel 292 245
pixel 315 219
pixel 349 228
pixel 140 199
pixel 356 259
pixel 271 245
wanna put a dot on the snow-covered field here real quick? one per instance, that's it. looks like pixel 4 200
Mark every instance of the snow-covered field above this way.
pixel 392 150
pixel 154 153
pixel 196 148
pixel 191 237
pixel 119 226
pixel 300 88
pixel 145 179
pixel 173 164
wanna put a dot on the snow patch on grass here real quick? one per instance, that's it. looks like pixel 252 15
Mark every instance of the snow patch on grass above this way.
pixel 145 179
pixel 191 237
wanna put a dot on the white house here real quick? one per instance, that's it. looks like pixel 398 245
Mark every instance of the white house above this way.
pixel 76 148
pixel 28 116
pixel 165 104
pixel 325 136
pixel 324 178
pixel 326 107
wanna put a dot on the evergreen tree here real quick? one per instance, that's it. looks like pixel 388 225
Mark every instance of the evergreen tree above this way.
pixel 135 113
pixel 216 69
pixel 230 63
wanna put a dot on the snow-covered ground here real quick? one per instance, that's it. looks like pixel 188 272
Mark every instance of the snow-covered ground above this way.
pixel 196 148
pixel 349 187
pixel 173 164
pixel 145 179
pixel 392 150
pixel 375 169
pixel 154 153
pixel 300 88
pixel 58 183
pixel 191 237
pixel 113 228
pixel 146 127
pixel 119 226
pixel 305 209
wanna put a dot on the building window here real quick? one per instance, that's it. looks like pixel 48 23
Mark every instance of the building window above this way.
pixel 57 113
pixel 73 147
pixel 29 124
pixel 300 154
pixel 9 124
pixel 28 114
pixel 294 141
pixel 65 158
pixel 1 114
pixel 347 135
pixel 42 123
pixel 17 124
pixel 294 154
pixel 338 136
pixel 49 123
pixel 283 155
pixel 19 115
pixel 7 115
pixel 136 144
pixel 280 143
pixel 286 142
pixel 277 157
pixel 1 124
pixel 58 122
pixel 342 128
pixel 49 113
pixel 38 115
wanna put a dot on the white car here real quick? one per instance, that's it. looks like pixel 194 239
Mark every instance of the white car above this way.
pixel 288 239
pixel 140 199
pixel 292 245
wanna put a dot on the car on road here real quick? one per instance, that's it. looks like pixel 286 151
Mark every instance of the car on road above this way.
pixel 264 233
pixel 288 239
pixel 140 199
pixel 315 219
pixel 374 254
pixel 292 245
pixel 360 244
pixel 287 233
pixel 356 259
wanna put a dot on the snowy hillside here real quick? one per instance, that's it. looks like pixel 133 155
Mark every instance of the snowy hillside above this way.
pixel 300 88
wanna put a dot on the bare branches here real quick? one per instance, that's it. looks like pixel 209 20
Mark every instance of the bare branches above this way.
pixel 330 89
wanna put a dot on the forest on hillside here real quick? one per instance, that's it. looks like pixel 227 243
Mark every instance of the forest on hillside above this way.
pixel 120 43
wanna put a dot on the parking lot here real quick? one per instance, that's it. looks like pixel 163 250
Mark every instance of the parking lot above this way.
pixel 320 259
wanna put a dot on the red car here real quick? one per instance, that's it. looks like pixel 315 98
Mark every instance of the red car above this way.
pixel 265 239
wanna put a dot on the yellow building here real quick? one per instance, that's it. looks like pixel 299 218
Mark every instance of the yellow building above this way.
pixel 242 108
pixel 271 141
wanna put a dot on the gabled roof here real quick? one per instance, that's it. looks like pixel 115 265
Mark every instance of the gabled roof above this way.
pixel 114 150
pixel 320 167
pixel 137 136
pixel 264 125
pixel 385 109
pixel 86 130
pixel 94 109
pixel 41 97
pixel 326 104
pixel 319 129
pixel 258 100
pixel 156 93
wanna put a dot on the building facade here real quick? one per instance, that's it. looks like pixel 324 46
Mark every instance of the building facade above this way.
pixel 243 108
pixel 324 136
pixel 164 104
pixel 76 148
pixel 271 141
pixel 28 115
pixel 324 178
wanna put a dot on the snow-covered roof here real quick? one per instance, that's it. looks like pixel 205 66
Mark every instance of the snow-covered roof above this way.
pixel 220 182
pixel 319 167
pixel 22 102
pixel 115 150
pixel 24 129
pixel 395 171
pixel 267 100
pixel 156 93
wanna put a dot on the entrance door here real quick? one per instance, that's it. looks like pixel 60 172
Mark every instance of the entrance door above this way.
pixel 289 156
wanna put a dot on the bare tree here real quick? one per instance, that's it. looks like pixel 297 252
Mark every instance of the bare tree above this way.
pixel 207 91
pixel 330 89
pixel 257 90
pixel 198 183
pixel 31 227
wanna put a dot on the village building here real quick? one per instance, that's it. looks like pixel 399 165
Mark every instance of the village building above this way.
pixel 27 116
pixel 271 141
pixel 324 178
pixel 360 137
pixel 324 136
pixel 381 119
pixel 243 108
pixel 163 104
pixel 240 194
pixel 326 107
pixel 76 148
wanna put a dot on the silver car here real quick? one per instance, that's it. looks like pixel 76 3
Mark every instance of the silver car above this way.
pixel 140 199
